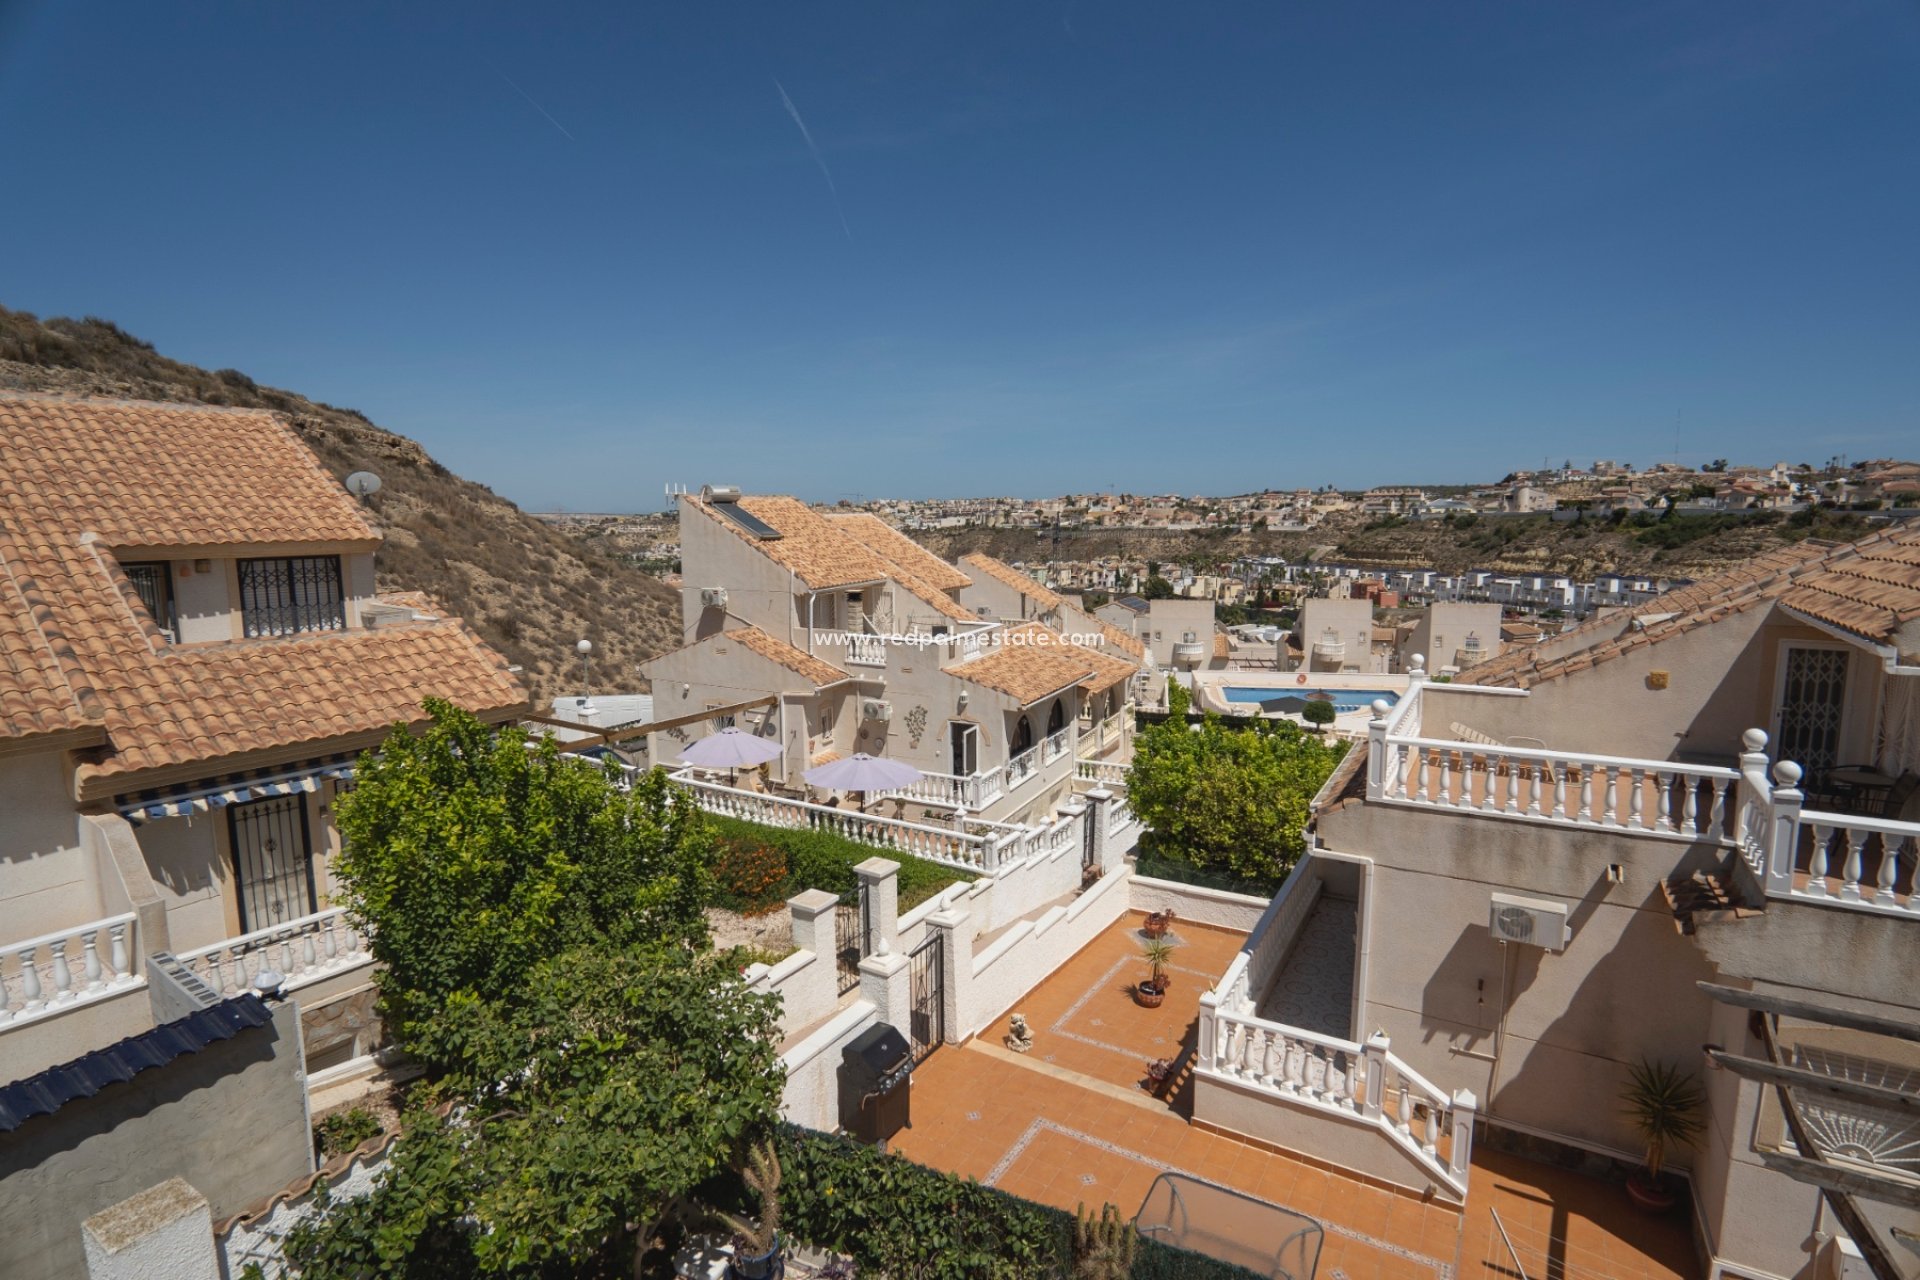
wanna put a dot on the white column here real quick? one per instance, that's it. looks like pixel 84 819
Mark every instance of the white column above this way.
pixel 1783 836
pixel 818 989
pixel 1377 750
pixel 1100 816
pixel 886 983
pixel 1376 1054
pixel 166 1230
pixel 1465 1108
pixel 880 891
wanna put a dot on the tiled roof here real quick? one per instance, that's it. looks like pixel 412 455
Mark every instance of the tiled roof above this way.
pixel 818 671
pixel 1118 639
pixel 76 647
pixel 1222 647
pixel 809 546
pixel 1869 589
pixel 162 475
pixel 896 546
pixel 1108 669
pixel 1012 577
pixel 1028 663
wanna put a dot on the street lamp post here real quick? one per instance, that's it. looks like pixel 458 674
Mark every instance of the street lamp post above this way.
pixel 585 650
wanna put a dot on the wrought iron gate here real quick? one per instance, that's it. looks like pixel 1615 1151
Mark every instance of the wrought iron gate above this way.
pixel 928 1017
pixel 272 860
pixel 851 932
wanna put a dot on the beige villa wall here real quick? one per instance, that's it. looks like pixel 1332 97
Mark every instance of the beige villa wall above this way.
pixel 192 872
pixel 1624 988
pixel 1351 620
pixel 1168 620
pixel 1720 682
pixel 1444 626
pixel 759 591
pixel 999 599
pixel 231 1119
pixel 49 877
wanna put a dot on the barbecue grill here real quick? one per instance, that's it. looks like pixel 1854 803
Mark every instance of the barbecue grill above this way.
pixel 876 1079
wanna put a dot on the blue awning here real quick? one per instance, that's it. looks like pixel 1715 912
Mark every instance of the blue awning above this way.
pixel 184 802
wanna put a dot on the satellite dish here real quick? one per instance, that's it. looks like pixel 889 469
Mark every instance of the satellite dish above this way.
pixel 363 484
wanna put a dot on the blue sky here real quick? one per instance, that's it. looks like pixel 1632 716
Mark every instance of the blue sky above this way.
pixel 1026 248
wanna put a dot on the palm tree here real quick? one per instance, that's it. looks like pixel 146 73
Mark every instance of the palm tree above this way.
pixel 1664 1104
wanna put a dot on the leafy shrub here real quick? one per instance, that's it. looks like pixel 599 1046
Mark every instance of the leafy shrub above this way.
pixel 748 875
pixel 344 1130
pixel 900 1219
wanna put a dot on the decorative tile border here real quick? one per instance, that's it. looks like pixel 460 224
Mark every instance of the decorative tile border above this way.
pixel 1105 983
pixel 1040 1125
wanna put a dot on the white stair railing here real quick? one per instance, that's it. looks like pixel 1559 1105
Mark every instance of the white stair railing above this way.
pixel 936 844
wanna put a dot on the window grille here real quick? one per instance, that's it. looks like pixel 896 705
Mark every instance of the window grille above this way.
pixel 285 596
pixel 153 583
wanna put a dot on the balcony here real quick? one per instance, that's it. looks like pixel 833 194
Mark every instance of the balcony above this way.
pixel 865 650
pixel 1787 851
pixel 68 968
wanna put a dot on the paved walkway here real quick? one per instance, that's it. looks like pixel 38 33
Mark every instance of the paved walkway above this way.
pixel 1070 1124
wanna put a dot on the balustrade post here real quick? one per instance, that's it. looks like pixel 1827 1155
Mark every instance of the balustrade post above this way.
pixel 1376 1058
pixel 1204 1041
pixel 62 973
pixel 1460 1158
pixel 1377 750
pixel 31 994
pixel 90 962
pixel 1783 836
pixel 120 959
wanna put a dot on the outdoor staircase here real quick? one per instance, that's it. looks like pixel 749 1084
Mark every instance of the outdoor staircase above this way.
pixel 1706 898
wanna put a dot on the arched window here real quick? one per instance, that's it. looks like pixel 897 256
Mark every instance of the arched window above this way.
pixel 1022 736
pixel 1057 718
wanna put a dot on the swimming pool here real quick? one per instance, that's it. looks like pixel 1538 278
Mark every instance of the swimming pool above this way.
pixel 1344 700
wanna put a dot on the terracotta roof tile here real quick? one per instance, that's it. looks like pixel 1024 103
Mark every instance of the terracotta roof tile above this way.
pixel 72 634
pixel 1869 588
pixel 1012 577
pixel 1118 639
pixel 885 540
pixel 816 670
pixel 1108 669
pixel 1028 663
pixel 809 546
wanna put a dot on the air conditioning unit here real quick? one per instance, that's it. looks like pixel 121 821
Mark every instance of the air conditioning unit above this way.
pixel 876 709
pixel 713 597
pixel 1533 922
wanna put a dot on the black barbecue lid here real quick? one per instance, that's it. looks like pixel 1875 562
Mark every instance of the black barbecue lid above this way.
pixel 880 1047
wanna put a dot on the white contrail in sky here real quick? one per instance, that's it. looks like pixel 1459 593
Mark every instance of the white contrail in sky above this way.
pixel 537 107
pixel 806 135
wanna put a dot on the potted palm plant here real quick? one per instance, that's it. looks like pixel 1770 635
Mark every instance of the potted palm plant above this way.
pixel 1157 952
pixel 1664 1104
pixel 756 1245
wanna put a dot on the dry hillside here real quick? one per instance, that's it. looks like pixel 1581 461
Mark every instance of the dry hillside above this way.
pixel 1689 547
pixel 530 590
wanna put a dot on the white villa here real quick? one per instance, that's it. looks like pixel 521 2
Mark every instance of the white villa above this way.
pixel 1709 863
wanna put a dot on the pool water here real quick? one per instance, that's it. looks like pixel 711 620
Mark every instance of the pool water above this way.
pixel 1344 700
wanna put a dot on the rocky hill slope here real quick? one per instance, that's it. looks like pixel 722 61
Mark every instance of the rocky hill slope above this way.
pixel 528 589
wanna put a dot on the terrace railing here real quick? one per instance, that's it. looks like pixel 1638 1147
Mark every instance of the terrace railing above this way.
pixel 1809 855
pixel 1055 745
pixel 301 951
pixel 69 967
pixel 1023 768
pixel 957 847
pixel 1581 789
pixel 975 791
pixel 1108 773
pixel 865 650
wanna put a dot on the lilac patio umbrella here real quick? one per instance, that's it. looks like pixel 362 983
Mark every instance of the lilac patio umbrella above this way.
pixel 731 748
pixel 862 773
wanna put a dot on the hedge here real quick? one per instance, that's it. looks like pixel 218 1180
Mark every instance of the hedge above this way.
pixel 898 1218
pixel 816 860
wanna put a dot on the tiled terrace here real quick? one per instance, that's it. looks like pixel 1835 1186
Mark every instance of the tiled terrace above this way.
pixel 1069 1123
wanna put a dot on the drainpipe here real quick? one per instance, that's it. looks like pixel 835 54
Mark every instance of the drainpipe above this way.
pixel 1500 1029
pixel 811 597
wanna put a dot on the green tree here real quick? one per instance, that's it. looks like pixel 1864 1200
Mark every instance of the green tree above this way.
pixel 472 857
pixel 581 1115
pixel 1157 588
pixel 1227 798
pixel 1318 713
pixel 1092 600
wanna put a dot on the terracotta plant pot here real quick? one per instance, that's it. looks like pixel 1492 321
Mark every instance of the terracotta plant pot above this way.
pixel 1650 1195
pixel 1147 996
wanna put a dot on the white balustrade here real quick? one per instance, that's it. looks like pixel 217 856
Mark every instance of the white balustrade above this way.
pixel 1023 768
pixel 1055 745
pixel 1108 773
pixel 301 951
pixel 69 967
pixel 865 650
pixel 1364 1084
pixel 1650 797
pixel 955 847
pixel 1809 855
pixel 945 788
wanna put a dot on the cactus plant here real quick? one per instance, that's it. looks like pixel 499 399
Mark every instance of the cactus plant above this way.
pixel 762 1176
pixel 1103 1247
